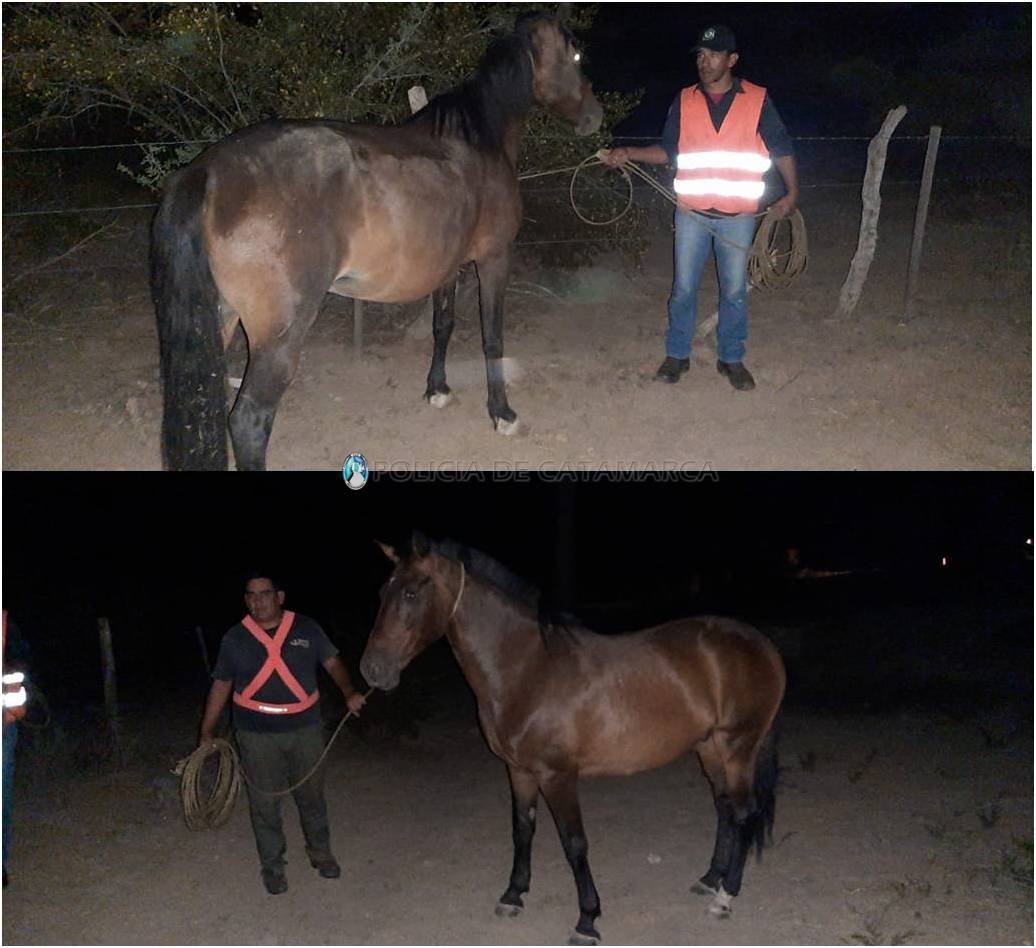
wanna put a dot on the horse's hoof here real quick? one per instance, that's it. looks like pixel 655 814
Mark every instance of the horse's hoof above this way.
pixel 440 399
pixel 578 938
pixel 719 911
pixel 505 427
pixel 506 910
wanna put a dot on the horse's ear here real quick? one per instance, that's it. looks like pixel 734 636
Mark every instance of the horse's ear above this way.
pixel 422 546
pixel 388 551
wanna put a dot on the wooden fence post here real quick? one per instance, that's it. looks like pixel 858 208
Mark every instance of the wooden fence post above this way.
pixel 910 301
pixel 357 331
pixel 868 240
pixel 200 635
pixel 111 707
pixel 418 99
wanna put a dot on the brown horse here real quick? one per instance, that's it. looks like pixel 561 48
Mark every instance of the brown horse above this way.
pixel 265 222
pixel 560 702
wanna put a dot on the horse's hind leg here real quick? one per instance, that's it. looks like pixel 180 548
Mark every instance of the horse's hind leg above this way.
pixel 525 790
pixel 492 283
pixel 722 853
pixel 560 792
pixel 275 335
pixel 729 762
pixel 443 299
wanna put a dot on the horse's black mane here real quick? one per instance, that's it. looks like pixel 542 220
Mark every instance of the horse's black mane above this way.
pixel 554 626
pixel 478 110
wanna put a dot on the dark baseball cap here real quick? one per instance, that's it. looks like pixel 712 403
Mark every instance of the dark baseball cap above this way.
pixel 719 39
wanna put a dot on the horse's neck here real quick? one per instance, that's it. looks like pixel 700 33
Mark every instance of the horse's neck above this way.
pixel 494 644
pixel 513 140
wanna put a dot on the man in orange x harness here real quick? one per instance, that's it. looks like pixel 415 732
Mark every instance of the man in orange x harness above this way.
pixel 268 664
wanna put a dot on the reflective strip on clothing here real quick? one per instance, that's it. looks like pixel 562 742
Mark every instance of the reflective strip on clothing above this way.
pixel 720 187
pixel 15 695
pixel 721 160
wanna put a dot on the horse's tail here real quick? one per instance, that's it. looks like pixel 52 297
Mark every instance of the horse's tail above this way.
pixel 193 361
pixel 765 789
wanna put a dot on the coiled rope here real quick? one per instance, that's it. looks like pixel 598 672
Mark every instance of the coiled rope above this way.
pixel 778 255
pixel 207 812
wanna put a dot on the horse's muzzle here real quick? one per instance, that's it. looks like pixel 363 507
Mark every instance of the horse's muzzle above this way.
pixel 379 670
pixel 591 118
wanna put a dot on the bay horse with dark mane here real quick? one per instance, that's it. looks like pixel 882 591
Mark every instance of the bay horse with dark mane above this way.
pixel 559 702
pixel 265 222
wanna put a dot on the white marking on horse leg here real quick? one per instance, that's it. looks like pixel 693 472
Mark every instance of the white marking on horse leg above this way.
pixel 441 399
pixel 720 905
pixel 507 428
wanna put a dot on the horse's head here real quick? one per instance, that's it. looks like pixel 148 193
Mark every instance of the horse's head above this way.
pixel 558 83
pixel 417 603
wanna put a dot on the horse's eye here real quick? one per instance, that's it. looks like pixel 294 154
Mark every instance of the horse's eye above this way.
pixel 577 57
pixel 409 594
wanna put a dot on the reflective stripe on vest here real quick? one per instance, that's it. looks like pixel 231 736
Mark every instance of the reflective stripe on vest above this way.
pixel 721 170
pixel 274 663
pixel 15 696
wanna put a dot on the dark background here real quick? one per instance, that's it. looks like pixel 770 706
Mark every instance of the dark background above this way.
pixel 969 56
pixel 161 556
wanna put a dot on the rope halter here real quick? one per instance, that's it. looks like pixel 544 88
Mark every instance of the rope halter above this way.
pixel 460 592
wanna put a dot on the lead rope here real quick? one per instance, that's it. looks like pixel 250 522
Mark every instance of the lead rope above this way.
pixel 216 810
pixel 768 266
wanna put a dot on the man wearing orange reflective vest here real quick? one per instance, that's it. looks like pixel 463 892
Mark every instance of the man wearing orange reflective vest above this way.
pixel 721 135
pixel 267 664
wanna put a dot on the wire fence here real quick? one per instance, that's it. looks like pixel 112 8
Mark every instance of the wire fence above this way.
pixel 824 161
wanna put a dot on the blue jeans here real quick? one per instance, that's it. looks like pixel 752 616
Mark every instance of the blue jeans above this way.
pixel 692 246
pixel 10 742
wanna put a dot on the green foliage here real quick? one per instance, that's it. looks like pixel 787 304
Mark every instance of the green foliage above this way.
pixel 182 75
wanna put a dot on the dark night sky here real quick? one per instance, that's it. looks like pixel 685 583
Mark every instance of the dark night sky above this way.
pixel 792 48
pixel 160 555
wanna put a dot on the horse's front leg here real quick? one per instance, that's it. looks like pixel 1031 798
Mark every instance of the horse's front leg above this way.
pixel 438 392
pixel 492 283
pixel 525 790
pixel 561 794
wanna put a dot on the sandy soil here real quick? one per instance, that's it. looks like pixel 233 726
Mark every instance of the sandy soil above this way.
pixel 892 828
pixel 951 389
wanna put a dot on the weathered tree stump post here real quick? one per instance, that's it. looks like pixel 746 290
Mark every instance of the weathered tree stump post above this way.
pixel 868 240
pixel 111 705
pixel 920 219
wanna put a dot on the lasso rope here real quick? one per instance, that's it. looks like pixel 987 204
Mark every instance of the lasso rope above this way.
pixel 768 266
pixel 207 813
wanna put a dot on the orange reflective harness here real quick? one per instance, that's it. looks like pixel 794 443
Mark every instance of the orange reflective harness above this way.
pixel 274 663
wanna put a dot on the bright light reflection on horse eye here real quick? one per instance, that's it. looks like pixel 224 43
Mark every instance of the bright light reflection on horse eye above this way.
pixel 577 57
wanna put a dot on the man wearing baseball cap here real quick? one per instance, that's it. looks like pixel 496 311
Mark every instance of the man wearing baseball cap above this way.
pixel 721 135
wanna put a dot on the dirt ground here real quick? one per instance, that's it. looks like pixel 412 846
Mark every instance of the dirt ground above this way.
pixel 951 389
pixel 892 828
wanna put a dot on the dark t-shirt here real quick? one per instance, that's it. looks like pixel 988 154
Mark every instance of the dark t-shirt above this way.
pixel 241 656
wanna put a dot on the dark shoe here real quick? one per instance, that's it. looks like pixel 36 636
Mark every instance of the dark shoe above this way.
pixel 739 376
pixel 328 869
pixel 275 882
pixel 671 370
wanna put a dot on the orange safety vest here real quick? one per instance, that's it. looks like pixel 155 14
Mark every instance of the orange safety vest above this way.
pixel 721 170
pixel 274 663
pixel 16 698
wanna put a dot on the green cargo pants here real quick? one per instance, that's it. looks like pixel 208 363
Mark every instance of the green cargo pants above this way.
pixel 275 762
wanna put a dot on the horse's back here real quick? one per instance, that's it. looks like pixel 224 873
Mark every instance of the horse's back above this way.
pixel 678 682
pixel 384 213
